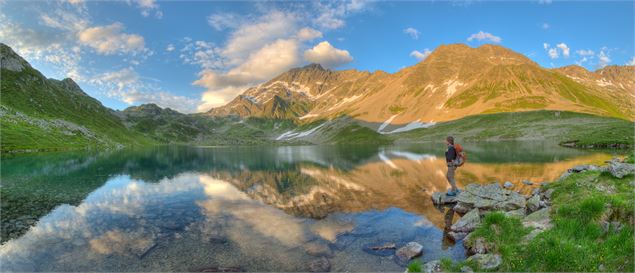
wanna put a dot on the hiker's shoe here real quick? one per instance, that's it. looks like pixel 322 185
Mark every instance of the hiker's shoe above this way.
pixel 451 193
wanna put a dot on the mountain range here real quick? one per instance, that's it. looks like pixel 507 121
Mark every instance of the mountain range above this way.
pixel 488 88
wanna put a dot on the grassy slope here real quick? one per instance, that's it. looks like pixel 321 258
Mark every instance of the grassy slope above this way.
pixel 41 99
pixel 584 129
pixel 577 241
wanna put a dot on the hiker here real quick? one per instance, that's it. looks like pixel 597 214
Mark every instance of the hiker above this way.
pixel 454 157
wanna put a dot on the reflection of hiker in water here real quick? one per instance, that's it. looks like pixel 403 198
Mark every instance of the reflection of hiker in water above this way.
pixel 447 219
pixel 454 157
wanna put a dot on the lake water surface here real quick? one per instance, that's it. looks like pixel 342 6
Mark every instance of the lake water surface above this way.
pixel 247 208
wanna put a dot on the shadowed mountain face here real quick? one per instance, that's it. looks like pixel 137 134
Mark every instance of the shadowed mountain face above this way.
pixel 453 82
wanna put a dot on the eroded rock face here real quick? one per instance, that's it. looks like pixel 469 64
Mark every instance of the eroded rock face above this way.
pixel 490 197
pixel 487 261
pixel 407 252
pixel 468 222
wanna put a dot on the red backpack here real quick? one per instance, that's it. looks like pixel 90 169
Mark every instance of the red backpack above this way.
pixel 460 154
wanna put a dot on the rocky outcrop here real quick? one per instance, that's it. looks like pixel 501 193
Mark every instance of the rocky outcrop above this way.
pixel 441 198
pixel 620 169
pixel 465 225
pixel 489 197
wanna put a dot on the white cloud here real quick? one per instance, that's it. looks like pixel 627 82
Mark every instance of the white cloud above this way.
pixel 224 20
pixel 421 55
pixel 327 55
pixel 127 86
pixel 412 32
pixel 147 7
pixel 564 48
pixel 308 34
pixel 484 36
pixel 170 48
pixel 545 2
pixel 553 53
pixel 583 52
pixel 545 26
pixel 631 62
pixel 110 39
pixel 331 15
pixel 603 58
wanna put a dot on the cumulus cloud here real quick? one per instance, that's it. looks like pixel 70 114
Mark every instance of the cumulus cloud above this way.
pixel 327 55
pixel 484 36
pixel 126 85
pixel 554 52
pixel 148 7
pixel 110 39
pixel 412 32
pixel 421 55
pixel 631 62
pixel 170 48
pixel 308 34
pixel 564 48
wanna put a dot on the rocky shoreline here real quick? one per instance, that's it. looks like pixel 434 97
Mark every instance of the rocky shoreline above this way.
pixel 475 201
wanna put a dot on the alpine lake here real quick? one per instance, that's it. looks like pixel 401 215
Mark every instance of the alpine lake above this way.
pixel 260 208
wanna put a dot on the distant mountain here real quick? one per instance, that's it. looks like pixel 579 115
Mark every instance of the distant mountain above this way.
pixel 40 113
pixel 455 81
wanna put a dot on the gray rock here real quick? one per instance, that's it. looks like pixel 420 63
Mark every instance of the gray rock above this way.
pixel 539 219
pixel 533 204
pixel 466 269
pixel 320 265
pixel 583 168
pixel 409 251
pixel 532 235
pixel 516 213
pixel 477 246
pixel 462 208
pixel 432 267
pixel 468 222
pixel 508 185
pixel 547 194
pixel 441 198
pixel 318 249
pixel 490 197
pixel 527 182
pixel 619 170
pixel 487 261
pixel 456 236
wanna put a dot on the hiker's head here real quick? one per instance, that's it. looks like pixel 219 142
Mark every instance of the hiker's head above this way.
pixel 449 140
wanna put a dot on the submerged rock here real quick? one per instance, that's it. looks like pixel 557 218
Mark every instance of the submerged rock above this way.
pixel 407 252
pixel 527 182
pixel 487 261
pixel 319 265
pixel 381 249
pixel 508 185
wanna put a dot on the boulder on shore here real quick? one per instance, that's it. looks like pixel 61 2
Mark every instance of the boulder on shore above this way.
pixel 468 222
pixel 490 197
pixel 539 219
pixel 619 169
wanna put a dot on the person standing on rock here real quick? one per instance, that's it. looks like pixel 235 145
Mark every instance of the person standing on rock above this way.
pixel 454 159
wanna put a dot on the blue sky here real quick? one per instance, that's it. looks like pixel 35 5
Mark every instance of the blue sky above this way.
pixel 194 55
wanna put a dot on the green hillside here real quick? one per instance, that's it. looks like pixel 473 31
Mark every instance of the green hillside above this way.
pixel 567 128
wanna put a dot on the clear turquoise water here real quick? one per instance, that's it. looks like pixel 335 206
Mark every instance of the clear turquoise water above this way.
pixel 247 208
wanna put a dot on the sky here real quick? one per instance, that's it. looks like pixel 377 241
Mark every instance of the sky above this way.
pixel 195 55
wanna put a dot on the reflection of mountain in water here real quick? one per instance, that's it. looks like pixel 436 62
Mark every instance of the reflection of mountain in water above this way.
pixel 310 181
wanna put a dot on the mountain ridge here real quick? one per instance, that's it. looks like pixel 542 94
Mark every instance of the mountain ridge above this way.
pixel 455 81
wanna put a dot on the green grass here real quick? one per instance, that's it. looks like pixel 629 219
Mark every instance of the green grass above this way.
pixel 356 134
pixel 576 242
pixel 414 266
pixel 562 127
